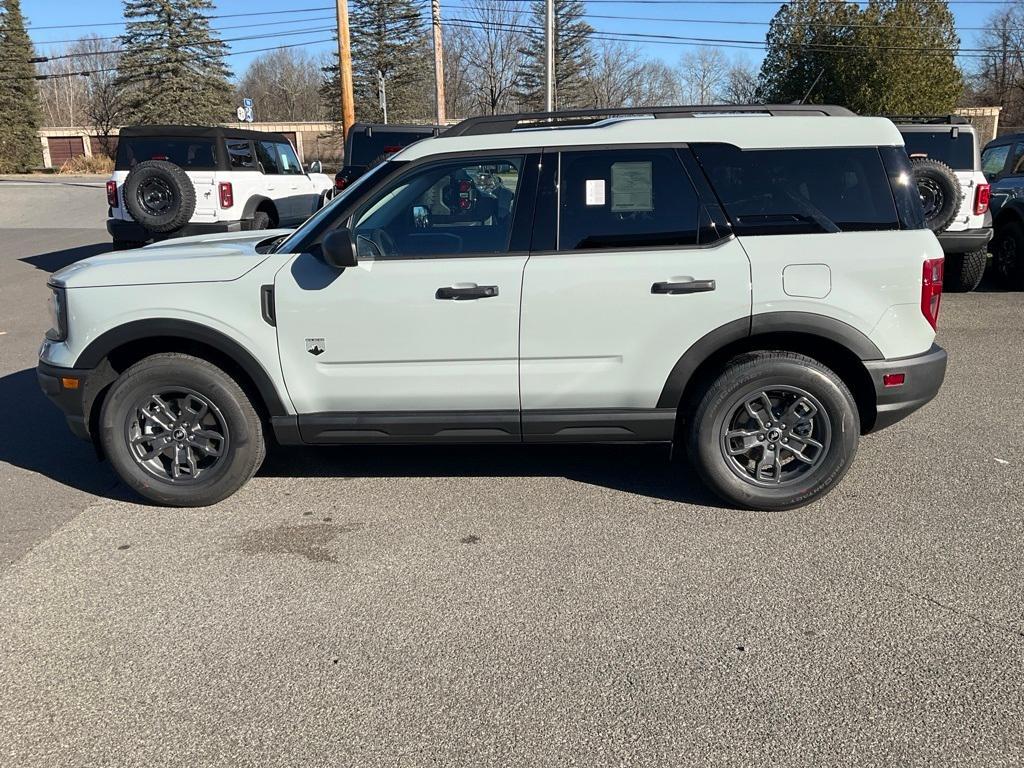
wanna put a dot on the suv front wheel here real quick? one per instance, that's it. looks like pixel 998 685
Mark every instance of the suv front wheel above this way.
pixel 180 431
pixel 775 430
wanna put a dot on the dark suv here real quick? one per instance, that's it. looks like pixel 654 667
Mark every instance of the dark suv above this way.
pixel 368 144
pixel 1003 164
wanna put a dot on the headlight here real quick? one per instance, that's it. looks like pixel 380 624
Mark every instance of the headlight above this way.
pixel 58 306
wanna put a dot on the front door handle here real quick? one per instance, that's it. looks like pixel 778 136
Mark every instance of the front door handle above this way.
pixel 683 286
pixel 466 292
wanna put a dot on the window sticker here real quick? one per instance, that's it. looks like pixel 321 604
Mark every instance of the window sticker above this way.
pixel 632 187
pixel 595 191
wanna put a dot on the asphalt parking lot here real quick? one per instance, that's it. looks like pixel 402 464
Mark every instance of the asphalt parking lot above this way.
pixel 508 607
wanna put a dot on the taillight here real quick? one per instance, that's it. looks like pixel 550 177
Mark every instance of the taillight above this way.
pixel 340 183
pixel 931 290
pixel 112 194
pixel 981 197
pixel 227 195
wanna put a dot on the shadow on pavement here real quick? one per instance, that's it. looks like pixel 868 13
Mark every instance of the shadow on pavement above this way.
pixel 642 469
pixel 54 260
pixel 34 436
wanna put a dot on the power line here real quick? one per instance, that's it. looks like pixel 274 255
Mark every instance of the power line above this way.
pixel 211 16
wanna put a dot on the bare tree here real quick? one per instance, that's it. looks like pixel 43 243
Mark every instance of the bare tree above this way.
pixel 284 84
pixel 740 86
pixel 618 76
pixel 998 79
pixel 703 74
pixel 493 56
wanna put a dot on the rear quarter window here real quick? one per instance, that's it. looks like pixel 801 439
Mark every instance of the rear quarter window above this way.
pixel 197 154
pixel 800 191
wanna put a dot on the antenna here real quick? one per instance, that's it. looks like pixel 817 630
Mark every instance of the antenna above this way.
pixel 809 90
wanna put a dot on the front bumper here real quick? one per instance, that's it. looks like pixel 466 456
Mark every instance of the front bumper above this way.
pixel 76 400
pixel 923 376
pixel 132 231
pixel 965 241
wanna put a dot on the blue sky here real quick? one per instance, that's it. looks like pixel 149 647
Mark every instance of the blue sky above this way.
pixel 701 20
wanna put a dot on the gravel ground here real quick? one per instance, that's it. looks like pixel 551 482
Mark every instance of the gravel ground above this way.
pixel 509 607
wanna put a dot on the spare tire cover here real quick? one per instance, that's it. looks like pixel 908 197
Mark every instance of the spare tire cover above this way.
pixel 159 195
pixel 940 192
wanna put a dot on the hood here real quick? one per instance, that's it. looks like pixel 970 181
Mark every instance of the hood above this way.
pixel 199 259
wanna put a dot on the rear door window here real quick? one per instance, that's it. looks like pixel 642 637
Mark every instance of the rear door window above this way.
pixel 266 154
pixel 240 155
pixel 633 198
pixel 800 191
pixel 198 154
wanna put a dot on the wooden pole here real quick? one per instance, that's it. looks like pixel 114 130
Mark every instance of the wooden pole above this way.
pixel 348 109
pixel 435 12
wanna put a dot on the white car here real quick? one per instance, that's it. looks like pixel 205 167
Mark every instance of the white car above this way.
pixel 756 285
pixel 176 180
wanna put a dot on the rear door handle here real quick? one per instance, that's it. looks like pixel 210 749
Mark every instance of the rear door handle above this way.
pixel 466 292
pixel 684 286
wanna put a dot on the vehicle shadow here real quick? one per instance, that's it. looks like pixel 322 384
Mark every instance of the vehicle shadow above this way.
pixel 646 470
pixel 54 260
pixel 34 436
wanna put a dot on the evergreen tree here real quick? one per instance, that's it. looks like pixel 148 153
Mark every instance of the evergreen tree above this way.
pixel 805 44
pixel 389 37
pixel 909 47
pixel 573 56
pixel 172 68
pixel 20 148
pixel 891 57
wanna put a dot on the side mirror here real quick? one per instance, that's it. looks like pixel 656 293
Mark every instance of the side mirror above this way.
pixel 420 216
pixel 338 249
pixel 316 167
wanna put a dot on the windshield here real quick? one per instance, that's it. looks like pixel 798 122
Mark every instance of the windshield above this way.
pixel 329 212
pixel 955 151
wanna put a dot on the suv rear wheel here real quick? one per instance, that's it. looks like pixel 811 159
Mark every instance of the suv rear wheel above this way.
pixel 775 430
pixel 179 431
pixel 963 271
pixel 1008 255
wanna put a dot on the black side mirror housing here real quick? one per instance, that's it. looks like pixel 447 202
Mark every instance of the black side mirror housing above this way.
pixel 338 249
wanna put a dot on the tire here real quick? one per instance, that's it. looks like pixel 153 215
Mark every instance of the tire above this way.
pixel 215 402
pixel 126 245
pixel 159 195
pixel 260 220
pixel 940 192
pixel 963 271
pixel 1007 249
pixel 789 482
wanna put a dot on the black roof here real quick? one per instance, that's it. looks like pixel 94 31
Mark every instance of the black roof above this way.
pixel 199 131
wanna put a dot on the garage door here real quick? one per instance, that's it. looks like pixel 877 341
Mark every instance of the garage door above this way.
pixel 97 145
pixel 63 148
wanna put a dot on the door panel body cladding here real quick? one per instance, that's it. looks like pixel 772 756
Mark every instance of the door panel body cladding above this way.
pixel 636 425
pixel 171 329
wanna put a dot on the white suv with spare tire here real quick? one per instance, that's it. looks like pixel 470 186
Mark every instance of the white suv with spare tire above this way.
pixel 755 285
pixel 176 180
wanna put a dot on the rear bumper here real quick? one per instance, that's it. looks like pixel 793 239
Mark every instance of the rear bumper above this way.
pixel 965 241
pixel 132 231
pixel 923 376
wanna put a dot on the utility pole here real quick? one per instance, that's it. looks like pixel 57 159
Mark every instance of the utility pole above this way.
pixel 348 109
pixel 549 57
pixel 382 95
pixel 435 13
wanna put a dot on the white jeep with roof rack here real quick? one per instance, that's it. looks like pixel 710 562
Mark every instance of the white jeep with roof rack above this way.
pixel 759 292
pixel 178 180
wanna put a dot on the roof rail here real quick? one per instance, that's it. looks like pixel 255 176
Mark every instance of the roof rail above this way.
pixel 488 124
pixel 930 119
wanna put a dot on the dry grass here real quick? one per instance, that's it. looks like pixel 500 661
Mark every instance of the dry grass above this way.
pixel 81 165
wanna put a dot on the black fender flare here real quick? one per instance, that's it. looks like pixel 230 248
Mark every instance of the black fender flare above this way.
pixel 169 328
pixel 254 202
pixel 768 323
pixel 1011 210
